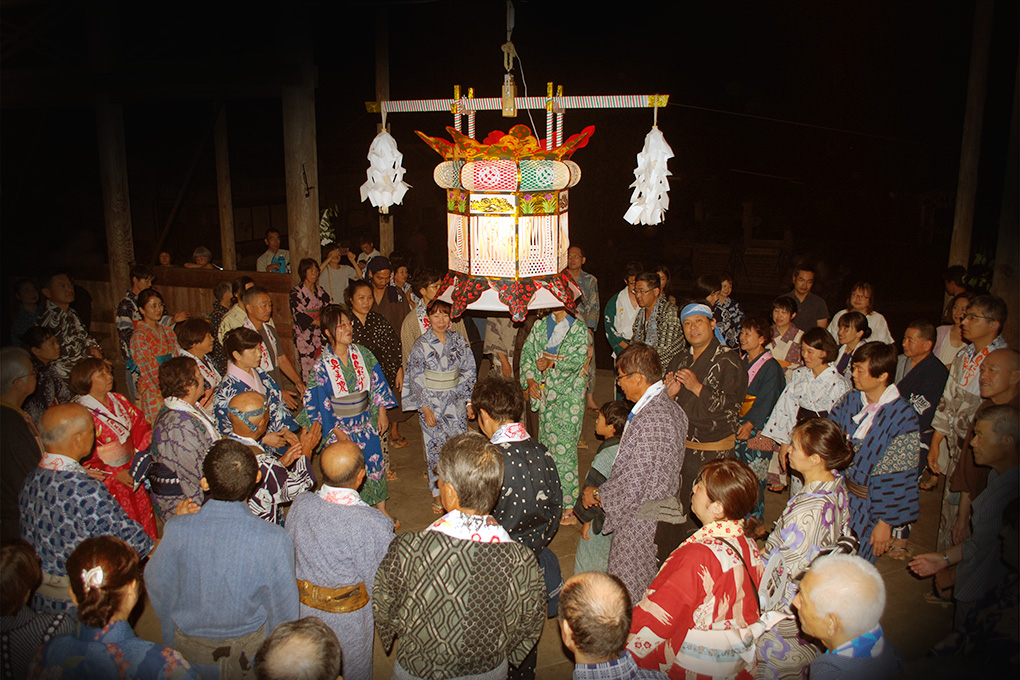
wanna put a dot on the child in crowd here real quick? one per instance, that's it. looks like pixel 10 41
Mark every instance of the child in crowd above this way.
pixel 593 548
pixel 785 345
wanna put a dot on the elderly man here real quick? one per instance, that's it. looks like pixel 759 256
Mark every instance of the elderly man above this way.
pixel 811 309
pixel 587 309
pixel 339 541
pixel 19 439
pixel 275 361
pixel 982 327
pixel 996 444
pixel 642 487
pixel 280 479
pixel 59 317
pixel 222 578
pixel 62 505
pixel 882 426
pixel 657 323
pixel 305 649
pixel 622 309
pixel 840 602
pixel 275 260
pixel 709 381
pixel 594 622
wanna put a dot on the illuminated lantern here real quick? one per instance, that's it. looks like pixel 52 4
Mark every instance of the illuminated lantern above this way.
pixel 507 230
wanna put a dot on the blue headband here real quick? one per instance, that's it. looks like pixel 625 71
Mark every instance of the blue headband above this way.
pixel 694 309
pixel 245 416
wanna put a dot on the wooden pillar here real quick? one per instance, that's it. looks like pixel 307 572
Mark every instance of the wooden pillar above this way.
pixel 1005 281
pixel 120 244
pixel 301 164
pixel 970 148
pixel 223 195
pixel 382 93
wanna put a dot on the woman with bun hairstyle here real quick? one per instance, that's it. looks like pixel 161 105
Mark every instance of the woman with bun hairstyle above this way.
pixel 812 523
pixel 106 583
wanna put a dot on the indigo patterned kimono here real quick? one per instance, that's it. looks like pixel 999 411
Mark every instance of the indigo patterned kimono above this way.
pixel 304 308
pixel 449 405
pixel 362 372
pixel 280 417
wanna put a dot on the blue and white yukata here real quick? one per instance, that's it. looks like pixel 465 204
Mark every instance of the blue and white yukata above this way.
pixel 237 381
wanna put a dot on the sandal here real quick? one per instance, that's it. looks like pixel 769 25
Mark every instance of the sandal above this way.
pixel 582 445
pixel 437 509
pixel 397 443
pixel 928 481
pixel 391 476
pixel 777 488
pixel 568 519
pixel 898 552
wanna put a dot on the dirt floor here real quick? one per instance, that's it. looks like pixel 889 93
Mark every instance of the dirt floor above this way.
pixel 910 623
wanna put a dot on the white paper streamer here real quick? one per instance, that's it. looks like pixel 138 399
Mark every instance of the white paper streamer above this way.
pixel 385 185
pixel 650 199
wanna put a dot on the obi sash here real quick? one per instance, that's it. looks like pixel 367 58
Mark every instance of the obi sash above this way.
pixel 350 405
pixel 116 453
pixel 334 600
pixel 442 380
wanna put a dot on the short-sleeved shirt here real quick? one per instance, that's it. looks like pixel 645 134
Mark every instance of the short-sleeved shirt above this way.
pixel 810 311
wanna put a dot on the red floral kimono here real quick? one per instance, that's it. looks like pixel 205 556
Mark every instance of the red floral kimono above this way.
pixel 120 433
pixel 696 617
pixel 150 347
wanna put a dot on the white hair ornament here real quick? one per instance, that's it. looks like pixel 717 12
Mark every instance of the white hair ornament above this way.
pixel 92 578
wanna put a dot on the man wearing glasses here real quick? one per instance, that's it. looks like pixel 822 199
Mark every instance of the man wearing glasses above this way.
pixel 656 323
pixel 981 326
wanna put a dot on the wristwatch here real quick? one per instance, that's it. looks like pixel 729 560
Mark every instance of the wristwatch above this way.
pixel 595 494
pixel 945 556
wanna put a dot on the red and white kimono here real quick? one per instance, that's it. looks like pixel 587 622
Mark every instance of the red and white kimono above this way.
pixel 121 432
pixel 696 618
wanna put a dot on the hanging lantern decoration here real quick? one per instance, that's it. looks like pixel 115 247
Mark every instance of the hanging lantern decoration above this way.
pixel 385 185
pixel 650 200
pixel 507 229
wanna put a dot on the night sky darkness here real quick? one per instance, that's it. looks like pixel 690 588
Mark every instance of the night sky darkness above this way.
pixel 872 95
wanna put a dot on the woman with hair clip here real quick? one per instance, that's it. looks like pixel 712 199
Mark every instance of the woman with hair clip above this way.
pixel 709 586
pixel 349 395
pixel 106 583
pixel 814 522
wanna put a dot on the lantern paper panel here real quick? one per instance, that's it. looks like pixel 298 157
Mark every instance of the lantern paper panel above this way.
pixel 493 246
pixel 564 240
pixel 537 238
pixel 457 242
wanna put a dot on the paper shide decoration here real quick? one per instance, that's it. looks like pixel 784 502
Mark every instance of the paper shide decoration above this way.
pixel 385 185
pixel 650 200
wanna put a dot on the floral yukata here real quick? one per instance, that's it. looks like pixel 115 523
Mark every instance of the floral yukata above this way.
pixel 696 618
pixel 75 341
pixel 814 519
pixel 561 406
pixel 181 437
pixel 330 379
pixel 122 432
pixel 305 306
pixel 731 315
pixel 445 394
pixel 238 381
pixel 279 485
pixel 150 347
pixel 111 652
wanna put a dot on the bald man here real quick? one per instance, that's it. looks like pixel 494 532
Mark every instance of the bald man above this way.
pixel 840 602
pixel 61 505
pixel 339 542
pixel 283 478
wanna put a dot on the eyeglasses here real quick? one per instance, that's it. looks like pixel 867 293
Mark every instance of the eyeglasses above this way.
pixel 621 377
pixel 639 291
pixel 860 296
pixel 971 317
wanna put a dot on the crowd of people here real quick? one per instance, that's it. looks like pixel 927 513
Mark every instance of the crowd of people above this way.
pixel 250 486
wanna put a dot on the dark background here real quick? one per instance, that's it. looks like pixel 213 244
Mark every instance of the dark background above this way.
pixel 840 121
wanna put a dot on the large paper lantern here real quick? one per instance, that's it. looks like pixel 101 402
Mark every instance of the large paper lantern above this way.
pixel 507 230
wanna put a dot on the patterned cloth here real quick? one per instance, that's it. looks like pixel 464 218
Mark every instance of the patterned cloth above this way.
pixel 922 385
pixel 237 382
pixel 662 330
pixel 340 545
pixel 763 392
pixel 531 502
pixel 117 425
pixel 415 324
pixel 618 320
pixel 150 347
pixel 75 341
pixel 814 519
pixel 50 389
pixel 279 484
pixel 219 357
pixel 622 668
pixel 785 347
pixel 804 390
pixel 379 338
pixel 876 322
pixel 363 428
pixel 60 508
pixel 304 309
pixel 459 607
pixel 692 620
pixel 593 554
pixel 952 419
pixel 646 470
pixel 885 463
pixel 561 406
pixel 448 406
pixel 588 306
pixel 732 316
pixel 111 652
pixel 723 377
pixel 868 657
pixel 180 441
pixel 22 634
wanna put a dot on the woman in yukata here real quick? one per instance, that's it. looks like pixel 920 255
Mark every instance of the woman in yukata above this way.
pixel 811 392
pixel 106 584
pixel 709 586
pixel 195 341
pixel 814 521
pixel 853 332
pixel 122 434
pixel 306 302
pixel 348 394
pixel 440 376
pixel 554 371
pixel 151 345
pixel 731 312
pixel 243 347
